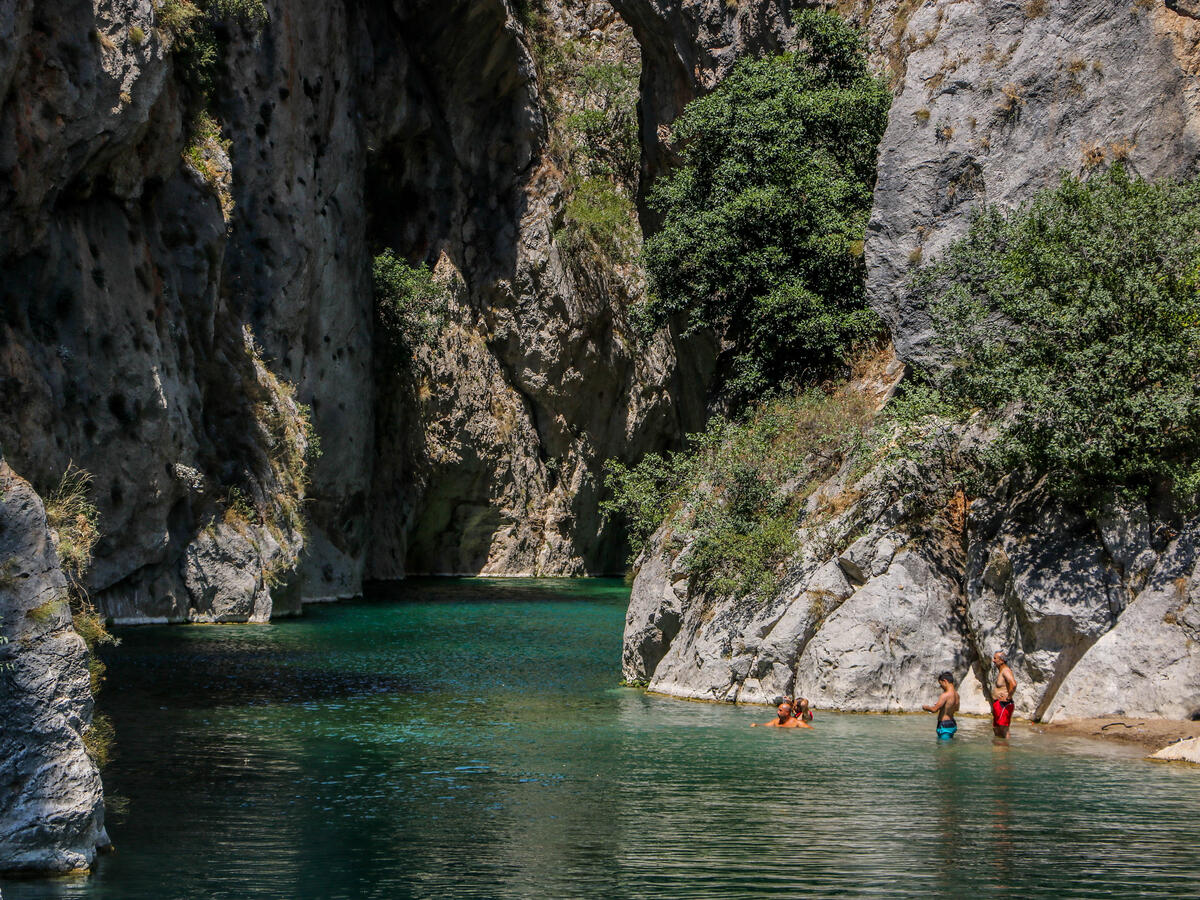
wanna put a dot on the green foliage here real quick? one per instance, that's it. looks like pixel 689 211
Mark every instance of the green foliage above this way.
pixel 291 444
pixel 197 28
pixel 591 92
pixel 1074 323
pixel 600 216
pixel 410 307
pixel 735 496
pixel 763 221
pixel 75 519
pixel 98 740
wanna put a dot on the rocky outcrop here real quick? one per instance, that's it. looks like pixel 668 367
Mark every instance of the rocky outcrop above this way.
pixel 1097 616
pixel 540 377
pixel 995 101
pixel 123 346
pixel 51 807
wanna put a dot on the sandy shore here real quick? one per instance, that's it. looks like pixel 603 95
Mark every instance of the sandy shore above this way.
pixel 1152 734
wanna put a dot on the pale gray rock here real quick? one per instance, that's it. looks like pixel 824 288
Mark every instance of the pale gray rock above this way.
pixel 1041 587
pixel 653 618
pixel 51 804
pixel 1187 750
pixel 1148 664
pixel 881 649
pixel 993 104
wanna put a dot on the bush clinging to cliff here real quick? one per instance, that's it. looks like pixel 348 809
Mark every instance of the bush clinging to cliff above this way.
pixel 196 29
pixel 735 496
pixel 1074 321
pixel 763 221
pixel 410 306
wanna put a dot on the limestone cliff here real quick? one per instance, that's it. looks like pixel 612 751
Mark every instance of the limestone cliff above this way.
pixel 1098 615
pixel 51 808
pixel 182 270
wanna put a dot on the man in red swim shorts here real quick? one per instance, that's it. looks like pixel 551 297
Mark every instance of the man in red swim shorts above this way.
pixel 1002 695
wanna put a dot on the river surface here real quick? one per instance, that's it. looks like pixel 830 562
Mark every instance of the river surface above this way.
pixel 468 738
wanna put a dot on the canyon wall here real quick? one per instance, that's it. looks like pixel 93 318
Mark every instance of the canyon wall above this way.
pixel 184 297
pixel 1097 614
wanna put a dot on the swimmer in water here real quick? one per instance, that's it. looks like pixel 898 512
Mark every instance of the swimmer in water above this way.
pixel 1002 695
pixel 945 708
pixel 801 713
pixel 785 720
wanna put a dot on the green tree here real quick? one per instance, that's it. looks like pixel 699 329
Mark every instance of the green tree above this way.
pixel 1074 323
pixel 410 306
pixel 762 222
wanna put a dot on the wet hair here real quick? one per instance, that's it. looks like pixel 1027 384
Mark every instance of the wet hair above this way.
pixel 946 676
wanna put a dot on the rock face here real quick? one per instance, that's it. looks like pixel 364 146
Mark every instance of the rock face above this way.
pixel 1097 617
pixel 993 101
pixel 124 347
pixel 539 378
pixel 51 808
pixel 136 249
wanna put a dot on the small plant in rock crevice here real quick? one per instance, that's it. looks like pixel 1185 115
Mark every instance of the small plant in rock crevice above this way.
pixel 411 308
pixel 75 521
pixel 196 30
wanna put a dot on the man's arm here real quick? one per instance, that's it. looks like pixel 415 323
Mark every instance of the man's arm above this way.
pixel 937 707
pixel 1010 680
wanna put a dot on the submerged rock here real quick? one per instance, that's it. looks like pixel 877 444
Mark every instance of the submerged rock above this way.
pixel 51 803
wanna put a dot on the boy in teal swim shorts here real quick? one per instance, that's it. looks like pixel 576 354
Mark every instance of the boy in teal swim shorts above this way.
pixel 945 708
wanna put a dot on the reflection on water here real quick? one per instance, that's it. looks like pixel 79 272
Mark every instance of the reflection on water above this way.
pixel 470 742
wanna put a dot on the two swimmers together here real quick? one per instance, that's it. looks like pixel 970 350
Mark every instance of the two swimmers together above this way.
pixel 1002 700
pixel 790 715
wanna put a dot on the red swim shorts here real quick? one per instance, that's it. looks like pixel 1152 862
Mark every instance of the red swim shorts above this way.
pixel 1002 711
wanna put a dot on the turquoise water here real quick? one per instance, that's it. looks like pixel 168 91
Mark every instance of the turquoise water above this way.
pixel 468 739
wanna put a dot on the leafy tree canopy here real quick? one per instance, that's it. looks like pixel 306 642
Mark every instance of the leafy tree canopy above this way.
pixel 411 307
pixel 762 223
pixel 1074 322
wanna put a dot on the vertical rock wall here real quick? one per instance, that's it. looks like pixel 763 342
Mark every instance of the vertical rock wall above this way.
pixel 51 807
pixel 135 256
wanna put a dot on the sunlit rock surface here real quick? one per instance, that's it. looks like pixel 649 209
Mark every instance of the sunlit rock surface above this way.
pixel 51 807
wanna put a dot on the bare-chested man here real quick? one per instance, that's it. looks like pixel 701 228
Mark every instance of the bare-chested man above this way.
pixel 1002 695
pixel 946 707
pixel 785 720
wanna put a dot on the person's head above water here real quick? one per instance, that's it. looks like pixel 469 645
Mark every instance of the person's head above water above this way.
pixel 784 710
pixel 1000 657
pixel 946 677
